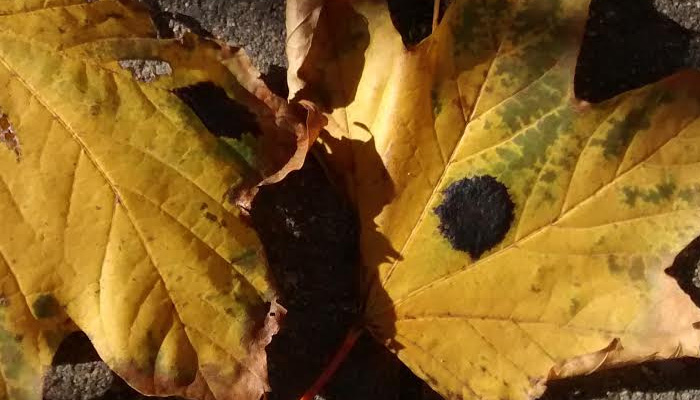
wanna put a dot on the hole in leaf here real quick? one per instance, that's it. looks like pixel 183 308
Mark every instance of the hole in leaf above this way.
pixel 686 270
pixel 276 80
pixel 414 18
pixel 77 368
pixel 475 214
pixel 75 348
pixel 147 70
pixel 222 115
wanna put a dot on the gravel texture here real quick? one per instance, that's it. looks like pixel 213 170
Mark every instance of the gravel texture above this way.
pixel 256 25
pixel 658 380
pixel 81 381
pixel 684 12
pixel 309 231
pixel 78 373
pixel 146 70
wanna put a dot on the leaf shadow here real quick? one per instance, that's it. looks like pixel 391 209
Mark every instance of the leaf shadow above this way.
pixel 309 233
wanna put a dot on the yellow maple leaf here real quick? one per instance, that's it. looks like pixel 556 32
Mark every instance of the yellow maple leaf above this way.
pixel 113 203
pixel 510 233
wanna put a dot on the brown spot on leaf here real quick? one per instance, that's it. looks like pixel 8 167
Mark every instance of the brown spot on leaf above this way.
pixel 9 136
pixel 636 271
pixel 613 265
pixel 211 217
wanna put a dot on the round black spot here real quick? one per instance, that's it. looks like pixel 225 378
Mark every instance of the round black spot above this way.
pixel 475 214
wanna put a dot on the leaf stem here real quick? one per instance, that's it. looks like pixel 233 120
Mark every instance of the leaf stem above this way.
pixel 340 355
pixel 436 14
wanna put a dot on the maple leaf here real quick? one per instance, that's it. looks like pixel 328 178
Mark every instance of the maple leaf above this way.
pixel 511 234
pixel 113 201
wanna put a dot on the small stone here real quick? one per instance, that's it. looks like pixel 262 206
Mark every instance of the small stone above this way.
pixel 147 70
pixel 83 381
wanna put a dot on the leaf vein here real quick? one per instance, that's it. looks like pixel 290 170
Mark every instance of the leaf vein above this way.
pixel 443 175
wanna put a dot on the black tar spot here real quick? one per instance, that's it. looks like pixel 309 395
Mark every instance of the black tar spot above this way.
pixel 45 306
pixel 475 214
pixel 222 115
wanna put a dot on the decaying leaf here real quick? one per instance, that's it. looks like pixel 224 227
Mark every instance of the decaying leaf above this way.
pixel 301 118
pixel 114 219
pixel 301 20
pixel 511 233
pixel 8 136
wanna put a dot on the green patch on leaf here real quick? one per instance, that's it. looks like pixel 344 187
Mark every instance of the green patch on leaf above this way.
pixel 657 194
pixel 246 147
pixel 549 176
pixel 473 32
pixel 623 130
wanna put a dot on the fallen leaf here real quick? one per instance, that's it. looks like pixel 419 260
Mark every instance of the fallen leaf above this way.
pixel 115 217
pixel 301 21
pixel 300 118
pixel 511 234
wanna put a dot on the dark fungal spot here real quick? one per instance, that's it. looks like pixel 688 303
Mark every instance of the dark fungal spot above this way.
pixel 475 214
pixel 222 115
pixel 211 217
pixel 45 306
